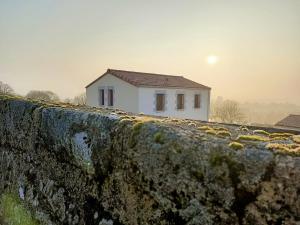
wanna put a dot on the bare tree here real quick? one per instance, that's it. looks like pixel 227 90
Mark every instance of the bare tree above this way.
pixel 80 99
pixel 42 95
pixel 5 89
pixel 227 111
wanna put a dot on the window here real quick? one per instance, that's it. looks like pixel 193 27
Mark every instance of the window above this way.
pixel 160 102
pixel 180 101
pixel 197 101
pixel 110 97
pixel 101 97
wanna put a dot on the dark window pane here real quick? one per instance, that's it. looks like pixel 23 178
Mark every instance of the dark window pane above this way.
pixel 197 101
pixel 180 101
pixel 110 97
pixel 160 102
pixel 101 96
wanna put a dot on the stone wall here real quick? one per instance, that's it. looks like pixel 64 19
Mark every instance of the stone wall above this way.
pixel 64 164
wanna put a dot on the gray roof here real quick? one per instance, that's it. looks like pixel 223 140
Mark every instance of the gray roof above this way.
pixel 290 121
pixel 152 79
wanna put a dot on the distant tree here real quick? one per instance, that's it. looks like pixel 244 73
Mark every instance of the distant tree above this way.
pixel 5 89
pixel 80 99
pixel 42 95
pixel 227 111
pixel 68 100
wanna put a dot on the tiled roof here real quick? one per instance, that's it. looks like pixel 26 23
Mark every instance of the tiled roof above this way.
pixel 290 121
pixel 152 79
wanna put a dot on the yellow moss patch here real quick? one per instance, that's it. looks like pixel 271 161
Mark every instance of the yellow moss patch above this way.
pixel 279 139
pixel 281 135
pixel 236 145
pixel 287 148
pixel 14 212
pixel 221 129
pixel 277 146
pixel 251 138
pixel 212 132
pixel 261 132
pixel 205 128
pixel 224 133
pixel 296 138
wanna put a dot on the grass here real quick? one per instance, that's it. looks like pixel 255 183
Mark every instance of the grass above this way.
pixel 251 138
pixel 236 145
pixel 14 212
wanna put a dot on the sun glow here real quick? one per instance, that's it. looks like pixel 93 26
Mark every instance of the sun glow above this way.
pixel 212 59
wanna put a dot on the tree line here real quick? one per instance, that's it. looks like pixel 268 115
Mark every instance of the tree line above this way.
pixel 43 95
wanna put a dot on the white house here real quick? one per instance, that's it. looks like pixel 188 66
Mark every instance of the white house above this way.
pixel 151 94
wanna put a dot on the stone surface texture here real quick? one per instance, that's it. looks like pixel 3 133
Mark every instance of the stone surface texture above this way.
pixel 77 165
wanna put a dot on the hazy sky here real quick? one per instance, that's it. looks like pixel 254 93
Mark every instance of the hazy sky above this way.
pixel 62 45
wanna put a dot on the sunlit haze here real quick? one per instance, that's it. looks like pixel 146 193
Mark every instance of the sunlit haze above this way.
pixel 245 50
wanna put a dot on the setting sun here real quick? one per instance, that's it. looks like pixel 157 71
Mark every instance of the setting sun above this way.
pixel 212 59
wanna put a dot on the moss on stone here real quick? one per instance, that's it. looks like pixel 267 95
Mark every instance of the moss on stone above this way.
pixel 281 135
pixel 223 133
pixel 204 128
pixel 14 212
pixel 159 137
pixel 251 138
pixel 211 131
pixel 261 132
pixel 296 138
pixel 292 149
pixel 135 132
pixel 278 138
pixel 220 129
pixel 236 145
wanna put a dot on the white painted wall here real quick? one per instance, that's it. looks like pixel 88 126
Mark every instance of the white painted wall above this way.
pixel 147 102
pixel 142 99
pixel 125 94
